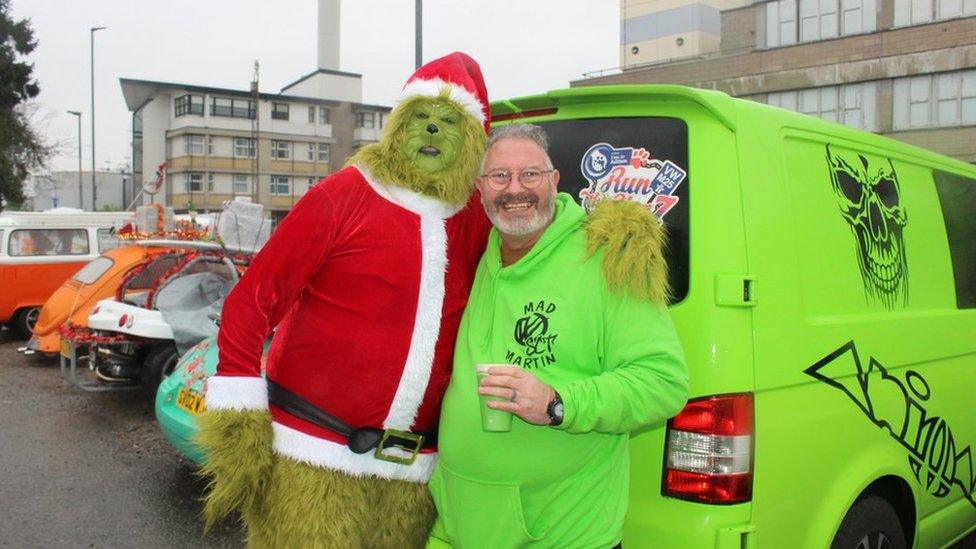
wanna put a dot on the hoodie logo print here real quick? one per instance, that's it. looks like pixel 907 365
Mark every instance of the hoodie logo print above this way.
pixel 532 336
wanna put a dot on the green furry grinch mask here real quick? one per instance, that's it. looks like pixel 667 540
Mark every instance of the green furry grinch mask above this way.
pixel 430 146
pixel 435 137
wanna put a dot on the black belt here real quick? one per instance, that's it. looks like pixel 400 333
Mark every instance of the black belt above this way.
pixel 359 440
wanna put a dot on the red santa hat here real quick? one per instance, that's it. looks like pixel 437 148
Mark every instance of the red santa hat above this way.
pixel 461 75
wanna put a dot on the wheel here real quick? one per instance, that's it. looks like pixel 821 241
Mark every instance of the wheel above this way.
pixel 160 362
pixel 870 524
pixel 24 320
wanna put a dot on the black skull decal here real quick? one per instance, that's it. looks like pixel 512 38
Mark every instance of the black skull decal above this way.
pixel 870 201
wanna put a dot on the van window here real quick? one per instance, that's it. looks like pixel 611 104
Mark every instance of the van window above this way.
pixel 93 270
pixel 613 144
pixel 957 195
pixel 30 242
pixel 107 240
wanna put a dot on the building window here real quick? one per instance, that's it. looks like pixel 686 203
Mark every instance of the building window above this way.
pixel 946 99
pixel 234 108
pixel 318 152
pixel 244 147
pixel 210 182
pixel 281 150
pixel 210 144
pixel 323 115
pixel 279 111
pixel 193 182
pixel 792 21
pixel 852 105
pixel 192 145
pixel 242 183
pixel 280 185
pixel 311 114
pixel 915 12
pixel 189 104
pixel 311 183
pixel 365 120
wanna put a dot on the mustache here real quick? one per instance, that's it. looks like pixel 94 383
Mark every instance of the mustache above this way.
pixel 510 198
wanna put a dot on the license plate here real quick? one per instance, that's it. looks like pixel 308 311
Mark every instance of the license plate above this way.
pixel 65 348
pixel 190 401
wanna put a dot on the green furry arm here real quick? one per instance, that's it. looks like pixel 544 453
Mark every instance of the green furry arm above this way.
pixel 634 244
pixel 238 449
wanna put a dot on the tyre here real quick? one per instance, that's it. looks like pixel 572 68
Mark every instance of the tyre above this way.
pixel 160 362
pixel 24 320
pixel 870 524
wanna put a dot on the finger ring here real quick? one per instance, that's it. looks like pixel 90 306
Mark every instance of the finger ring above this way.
pixel 514 395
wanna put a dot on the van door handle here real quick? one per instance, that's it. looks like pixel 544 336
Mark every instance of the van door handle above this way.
pixel 735 290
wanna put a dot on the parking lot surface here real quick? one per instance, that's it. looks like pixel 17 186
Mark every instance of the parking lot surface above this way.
pixel 90 469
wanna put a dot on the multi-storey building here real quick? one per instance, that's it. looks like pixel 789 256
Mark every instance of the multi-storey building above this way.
pixel 222 143
pixel 219 143
pixel 902 68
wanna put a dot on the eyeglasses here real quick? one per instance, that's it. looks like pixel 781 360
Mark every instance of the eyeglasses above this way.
pixel 529 178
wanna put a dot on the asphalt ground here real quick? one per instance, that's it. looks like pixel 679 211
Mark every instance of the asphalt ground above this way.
pixel 90 469
pixel 84 469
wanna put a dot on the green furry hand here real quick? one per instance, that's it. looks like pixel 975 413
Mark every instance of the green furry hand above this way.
pixel 634 242
pixel 238 449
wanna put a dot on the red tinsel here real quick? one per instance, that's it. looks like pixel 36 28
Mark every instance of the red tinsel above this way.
pixel 86 336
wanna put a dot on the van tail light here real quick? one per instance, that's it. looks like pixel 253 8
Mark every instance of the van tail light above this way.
pixel 123 319
pixel 708 457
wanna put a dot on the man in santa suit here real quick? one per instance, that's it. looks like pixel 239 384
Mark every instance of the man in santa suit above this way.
pixel 363 283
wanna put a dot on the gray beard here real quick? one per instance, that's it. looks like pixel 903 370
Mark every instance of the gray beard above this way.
pixel 538 220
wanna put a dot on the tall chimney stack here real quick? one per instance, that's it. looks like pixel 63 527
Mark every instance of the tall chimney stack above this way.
pixel 329 34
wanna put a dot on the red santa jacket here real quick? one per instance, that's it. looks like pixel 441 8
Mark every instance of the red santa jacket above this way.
pixel 366 284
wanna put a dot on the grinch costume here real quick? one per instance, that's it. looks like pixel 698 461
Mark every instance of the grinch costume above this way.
pixel 364 283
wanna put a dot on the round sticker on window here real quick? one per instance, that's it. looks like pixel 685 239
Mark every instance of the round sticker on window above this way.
pixel 628 173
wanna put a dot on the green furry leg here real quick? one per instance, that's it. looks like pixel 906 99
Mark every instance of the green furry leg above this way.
pixel 307 506
pixel 238 449
pixel 634 243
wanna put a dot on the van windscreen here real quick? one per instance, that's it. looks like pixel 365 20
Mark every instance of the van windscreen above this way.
pixel 641 159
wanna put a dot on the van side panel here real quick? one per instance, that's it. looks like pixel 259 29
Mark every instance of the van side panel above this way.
pixel 863 361
pixel 30 284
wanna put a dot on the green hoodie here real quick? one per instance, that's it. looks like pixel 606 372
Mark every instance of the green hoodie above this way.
pixel 615 360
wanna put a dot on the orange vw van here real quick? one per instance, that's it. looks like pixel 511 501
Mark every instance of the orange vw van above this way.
pixel 40 250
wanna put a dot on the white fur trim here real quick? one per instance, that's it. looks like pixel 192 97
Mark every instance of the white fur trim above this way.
pixel 237 393
pixel 426 326
pixel 417 203
pixel 460 95
pixel 319 452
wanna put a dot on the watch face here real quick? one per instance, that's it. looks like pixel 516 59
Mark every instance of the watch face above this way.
pixel 556 411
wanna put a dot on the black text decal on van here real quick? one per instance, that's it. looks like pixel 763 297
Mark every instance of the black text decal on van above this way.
pixel 869 198
pixel 897 407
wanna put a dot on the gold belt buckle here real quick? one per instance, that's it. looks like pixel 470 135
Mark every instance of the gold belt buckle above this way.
pixel 418 443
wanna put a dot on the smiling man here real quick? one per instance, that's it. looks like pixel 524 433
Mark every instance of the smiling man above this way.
pixel 594 364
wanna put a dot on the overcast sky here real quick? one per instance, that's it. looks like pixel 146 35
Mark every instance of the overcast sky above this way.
pixel 523 46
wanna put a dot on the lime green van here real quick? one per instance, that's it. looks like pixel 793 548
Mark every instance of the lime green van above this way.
pixel 825 293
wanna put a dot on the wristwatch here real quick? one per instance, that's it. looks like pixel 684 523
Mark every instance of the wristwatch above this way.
pixel 555 410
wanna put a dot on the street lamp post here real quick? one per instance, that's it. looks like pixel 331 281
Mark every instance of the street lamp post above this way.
pixel 418 33
pixel 81 200
pixel 92 49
